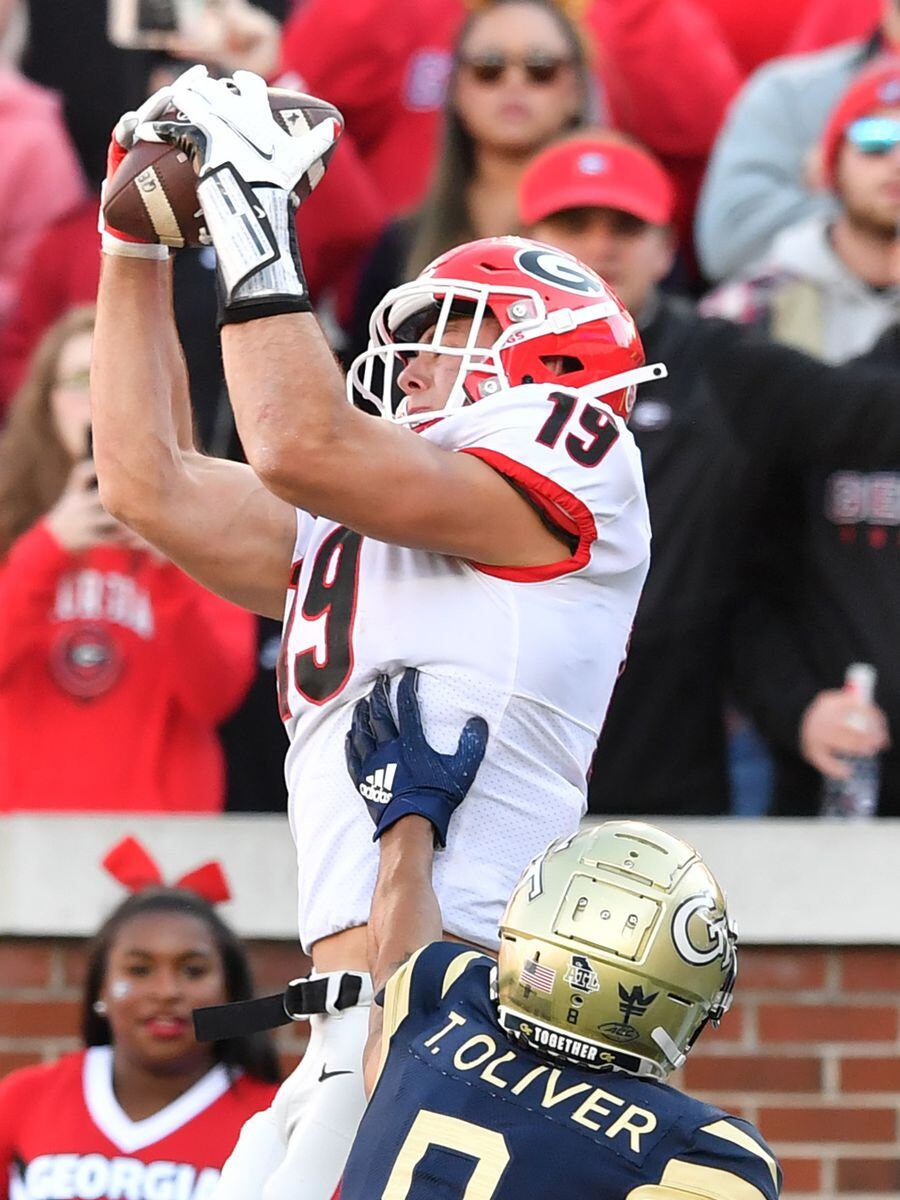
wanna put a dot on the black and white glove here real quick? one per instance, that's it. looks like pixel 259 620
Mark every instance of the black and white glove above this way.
pixel 397 772
pixel 247 166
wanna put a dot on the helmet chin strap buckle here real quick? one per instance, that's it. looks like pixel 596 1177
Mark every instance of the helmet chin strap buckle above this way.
pixel 668 1047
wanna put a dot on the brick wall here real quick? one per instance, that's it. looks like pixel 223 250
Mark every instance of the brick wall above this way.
pixel 810 1052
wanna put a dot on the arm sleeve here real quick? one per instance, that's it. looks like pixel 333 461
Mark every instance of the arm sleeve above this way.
pixel 28 581
pixel 667 70
pixel 754 184
pixel 207 644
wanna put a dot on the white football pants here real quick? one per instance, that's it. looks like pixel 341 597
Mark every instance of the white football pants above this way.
pixel 296 1148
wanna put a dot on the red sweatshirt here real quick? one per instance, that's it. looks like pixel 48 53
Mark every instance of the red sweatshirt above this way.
pixel 758 32
pixel 114 671
pixel 63 271
pixel 385 65
pixel 63 1133
pixel 828 22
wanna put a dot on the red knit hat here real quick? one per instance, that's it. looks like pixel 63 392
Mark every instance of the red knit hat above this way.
pixel 875 88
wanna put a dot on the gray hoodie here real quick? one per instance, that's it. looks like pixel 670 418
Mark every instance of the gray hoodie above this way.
pixel 755 183
pixel 805 296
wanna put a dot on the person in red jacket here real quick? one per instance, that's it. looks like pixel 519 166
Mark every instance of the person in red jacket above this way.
pixel 144 1110
pixel 115 667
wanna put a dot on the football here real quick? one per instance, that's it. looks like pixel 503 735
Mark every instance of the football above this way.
pixel 153 194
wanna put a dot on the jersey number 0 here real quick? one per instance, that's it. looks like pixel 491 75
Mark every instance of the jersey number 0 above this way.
pixel 487 1147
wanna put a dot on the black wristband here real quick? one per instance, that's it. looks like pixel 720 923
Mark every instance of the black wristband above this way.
pixel 253 310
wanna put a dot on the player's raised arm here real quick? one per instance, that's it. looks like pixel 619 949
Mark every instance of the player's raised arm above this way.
pixel 214 518
pixel 304 441
pixel 411 792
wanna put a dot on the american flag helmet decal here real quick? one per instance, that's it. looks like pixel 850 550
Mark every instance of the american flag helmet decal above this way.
pixel 535 976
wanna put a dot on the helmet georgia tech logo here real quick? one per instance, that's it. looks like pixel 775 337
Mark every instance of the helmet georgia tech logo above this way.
pixel 559 269
pixel 719 944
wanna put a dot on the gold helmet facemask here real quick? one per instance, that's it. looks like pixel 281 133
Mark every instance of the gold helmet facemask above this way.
pixel 615 951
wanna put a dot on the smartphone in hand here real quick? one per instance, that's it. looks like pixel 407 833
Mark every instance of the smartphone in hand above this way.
pixel 151 24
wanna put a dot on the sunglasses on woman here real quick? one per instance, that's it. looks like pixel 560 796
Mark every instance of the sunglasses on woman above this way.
pixel 492 66
pixel 875 135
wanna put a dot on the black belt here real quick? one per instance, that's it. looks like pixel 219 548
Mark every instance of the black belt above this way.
pixel 301 998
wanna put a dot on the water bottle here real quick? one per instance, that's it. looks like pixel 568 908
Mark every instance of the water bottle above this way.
pixel 856 796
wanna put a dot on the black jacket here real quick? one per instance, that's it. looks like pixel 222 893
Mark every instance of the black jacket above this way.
pixel 821 587
pixel 663 745
pixel 754 455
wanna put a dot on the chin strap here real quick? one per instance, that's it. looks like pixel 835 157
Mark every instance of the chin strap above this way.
pixel 302 998
pixel 626 379
pixel 668 1047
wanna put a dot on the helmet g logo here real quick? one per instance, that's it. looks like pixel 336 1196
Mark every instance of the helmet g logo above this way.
pixel 559 269
pixel 719 941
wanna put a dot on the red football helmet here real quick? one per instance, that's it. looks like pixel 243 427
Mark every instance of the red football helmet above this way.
pixel 559 323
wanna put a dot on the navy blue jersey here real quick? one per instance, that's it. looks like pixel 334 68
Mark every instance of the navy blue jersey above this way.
pixel 460 1111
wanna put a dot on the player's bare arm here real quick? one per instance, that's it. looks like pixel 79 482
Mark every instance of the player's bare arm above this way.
pixel 411 792
pixel 305 442
pixel 212 517
pixel 405 916
pixel 315 450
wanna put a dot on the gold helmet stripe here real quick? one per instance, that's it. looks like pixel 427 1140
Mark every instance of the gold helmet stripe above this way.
pixel 731 1133
pixel 456 968
pixel 691 1181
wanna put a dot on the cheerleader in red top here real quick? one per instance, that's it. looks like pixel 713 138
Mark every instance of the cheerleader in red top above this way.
pixel 115 667
pixel 145 1112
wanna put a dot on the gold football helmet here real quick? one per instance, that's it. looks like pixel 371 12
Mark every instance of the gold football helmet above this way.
pixel 615 950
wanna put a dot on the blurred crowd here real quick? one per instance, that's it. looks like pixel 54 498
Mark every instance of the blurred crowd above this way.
pixel 733 171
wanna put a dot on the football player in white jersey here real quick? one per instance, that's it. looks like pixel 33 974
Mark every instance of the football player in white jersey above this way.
pixel 489 528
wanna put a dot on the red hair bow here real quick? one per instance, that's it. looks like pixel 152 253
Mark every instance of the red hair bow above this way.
pixel 131 864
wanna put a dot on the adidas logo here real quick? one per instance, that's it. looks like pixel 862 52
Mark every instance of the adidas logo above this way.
pixel 377 786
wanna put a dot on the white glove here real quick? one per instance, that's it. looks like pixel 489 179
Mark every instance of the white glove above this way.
pixel 246 165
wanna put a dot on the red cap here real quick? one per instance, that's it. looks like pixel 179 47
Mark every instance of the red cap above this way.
pixel 591 172
pixel 875 88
